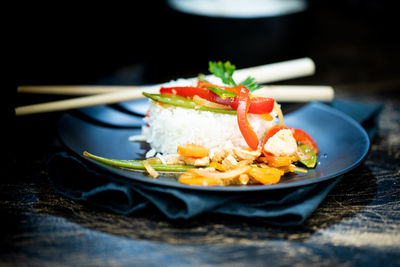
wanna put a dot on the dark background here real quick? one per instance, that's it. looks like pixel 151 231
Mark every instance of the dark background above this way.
pixel 149 42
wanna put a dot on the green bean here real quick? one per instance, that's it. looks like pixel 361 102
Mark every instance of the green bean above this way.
pixel 221 92
pixel 184 102
pixel 307 156
pixel 137 164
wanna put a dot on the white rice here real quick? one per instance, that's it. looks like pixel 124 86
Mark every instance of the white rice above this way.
pixel 170 127
pixel 192 82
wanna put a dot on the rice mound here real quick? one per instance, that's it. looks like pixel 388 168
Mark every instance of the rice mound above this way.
pixel 170 126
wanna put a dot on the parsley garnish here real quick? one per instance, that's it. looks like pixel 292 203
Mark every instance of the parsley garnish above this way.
pixel 225 71
pixel 251 84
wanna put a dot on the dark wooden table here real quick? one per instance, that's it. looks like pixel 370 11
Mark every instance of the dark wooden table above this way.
pixel 358 224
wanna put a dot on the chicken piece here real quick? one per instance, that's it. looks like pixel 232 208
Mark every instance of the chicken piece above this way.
pixel 205 161
pixel 219 155
pixel 281 144
pixel 230 162
pixel 244 154
pixel 198 162
pixel 173 159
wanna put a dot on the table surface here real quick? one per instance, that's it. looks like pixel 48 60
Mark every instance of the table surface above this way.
pixel 357 224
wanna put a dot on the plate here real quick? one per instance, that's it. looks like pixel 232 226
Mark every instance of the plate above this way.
pixel 109 116
pixel 342 142
pixel 136 107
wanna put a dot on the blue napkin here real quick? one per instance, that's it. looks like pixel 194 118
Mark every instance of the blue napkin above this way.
pixel 74 179
pixel 364 113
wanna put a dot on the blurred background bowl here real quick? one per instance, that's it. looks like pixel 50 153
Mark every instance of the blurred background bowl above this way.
pixel 199 31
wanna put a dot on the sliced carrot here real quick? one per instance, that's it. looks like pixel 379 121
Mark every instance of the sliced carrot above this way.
pixel 277 161
pixel 266 175
pixel 192 150
pixel 191 178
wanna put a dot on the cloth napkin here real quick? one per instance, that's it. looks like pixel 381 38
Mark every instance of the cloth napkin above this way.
pixel 77 180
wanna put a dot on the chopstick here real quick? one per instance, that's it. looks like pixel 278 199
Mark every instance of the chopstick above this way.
pixel 115 94
pixel 263 74
pixel 279 93
pixel 85 101
pixel 297 93
pixel 73 89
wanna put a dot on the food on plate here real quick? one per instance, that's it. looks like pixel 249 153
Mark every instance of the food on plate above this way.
pixel 215 131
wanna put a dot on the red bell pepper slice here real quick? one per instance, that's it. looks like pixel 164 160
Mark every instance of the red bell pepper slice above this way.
pixel 187 91
pixel 258 105
pixel 261 105
pixel 245 128
pixel 204 84
pixel 304 138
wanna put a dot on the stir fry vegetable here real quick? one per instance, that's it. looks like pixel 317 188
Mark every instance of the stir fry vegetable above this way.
pixel 258 105
pixel 245 128
pixel 191 150
pixel 306 156
pixel 138 164
pixel 184 102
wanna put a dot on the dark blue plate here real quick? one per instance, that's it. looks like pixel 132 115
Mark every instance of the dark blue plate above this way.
pixel 136 107
pixel 109 116
pixel 342 142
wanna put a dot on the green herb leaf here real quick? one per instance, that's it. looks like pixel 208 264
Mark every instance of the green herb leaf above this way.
pixel 251 84
pixel 224 71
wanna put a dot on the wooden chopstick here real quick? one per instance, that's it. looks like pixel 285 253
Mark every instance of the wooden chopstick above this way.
pixel 263 74
pixel 114 94
pixel 73 89
pixel 84 101
pixel 279 93
pixel 297 93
